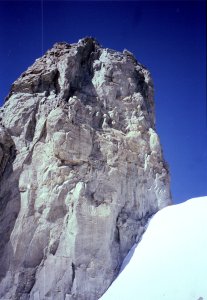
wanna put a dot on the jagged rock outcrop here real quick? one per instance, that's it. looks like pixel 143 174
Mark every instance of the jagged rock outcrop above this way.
pixel 81 171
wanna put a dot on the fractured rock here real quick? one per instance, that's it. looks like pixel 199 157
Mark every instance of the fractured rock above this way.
pixel 85 174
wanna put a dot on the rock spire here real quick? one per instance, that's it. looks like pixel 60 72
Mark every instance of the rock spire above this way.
pixel 81 172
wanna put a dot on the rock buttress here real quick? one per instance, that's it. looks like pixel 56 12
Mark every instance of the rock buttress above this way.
pixel 85 174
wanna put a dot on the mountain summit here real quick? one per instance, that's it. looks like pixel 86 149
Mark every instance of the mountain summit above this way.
pixel 81 172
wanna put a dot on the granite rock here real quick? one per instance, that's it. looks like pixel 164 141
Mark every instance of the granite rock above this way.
pixel 81 170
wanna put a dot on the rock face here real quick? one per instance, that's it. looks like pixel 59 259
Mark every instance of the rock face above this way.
pixel 81 172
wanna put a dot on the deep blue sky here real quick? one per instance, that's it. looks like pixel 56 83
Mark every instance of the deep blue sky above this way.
pixel 167 36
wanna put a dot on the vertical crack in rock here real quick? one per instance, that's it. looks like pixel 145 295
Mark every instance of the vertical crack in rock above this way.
pixel 30 130
pixel 73 273
pixel 117 233
pixel 81 171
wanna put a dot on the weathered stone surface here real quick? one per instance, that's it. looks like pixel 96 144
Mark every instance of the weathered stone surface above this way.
pixel 81 172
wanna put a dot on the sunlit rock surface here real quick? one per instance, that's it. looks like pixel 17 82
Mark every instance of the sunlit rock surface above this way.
pixel 81 171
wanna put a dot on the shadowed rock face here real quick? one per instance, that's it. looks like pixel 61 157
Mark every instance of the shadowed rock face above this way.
pixel 81 171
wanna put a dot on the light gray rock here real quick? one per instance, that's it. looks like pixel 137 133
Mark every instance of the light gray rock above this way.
pixel 82 171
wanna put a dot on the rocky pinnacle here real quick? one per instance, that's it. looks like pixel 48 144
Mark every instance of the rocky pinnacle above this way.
pixel 81 172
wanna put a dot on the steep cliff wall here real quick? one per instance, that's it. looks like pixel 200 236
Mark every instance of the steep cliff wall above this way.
pixel 81 171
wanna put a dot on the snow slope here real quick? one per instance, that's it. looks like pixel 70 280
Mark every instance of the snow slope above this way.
pixel 170 262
